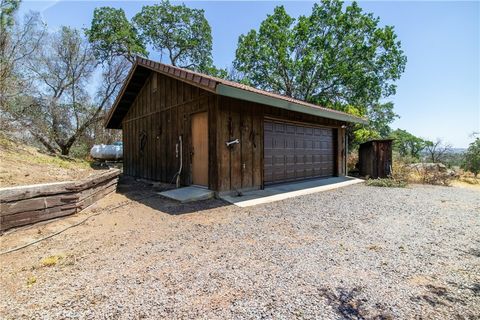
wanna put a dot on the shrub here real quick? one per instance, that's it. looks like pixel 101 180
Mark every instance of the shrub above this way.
pixel 352 161
pixel 386 182
pixel 431 173
pixel 404 169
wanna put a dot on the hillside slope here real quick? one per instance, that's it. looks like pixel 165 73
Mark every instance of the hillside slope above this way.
pixel 22 165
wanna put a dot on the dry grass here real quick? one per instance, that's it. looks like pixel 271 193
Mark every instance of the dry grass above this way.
pixel 51 260
pixel 31 281
pixel 469 178
pixel 22 165
pixel 405 172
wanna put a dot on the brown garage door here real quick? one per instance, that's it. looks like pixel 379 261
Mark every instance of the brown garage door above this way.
pixel 295 152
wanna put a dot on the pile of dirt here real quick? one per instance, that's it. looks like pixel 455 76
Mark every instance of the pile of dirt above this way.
pixel 23 165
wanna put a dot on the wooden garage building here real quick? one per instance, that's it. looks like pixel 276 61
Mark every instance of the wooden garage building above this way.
pixel 175 120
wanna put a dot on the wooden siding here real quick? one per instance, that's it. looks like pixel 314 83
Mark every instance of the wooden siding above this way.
pixel 240 167
pixel 163 110
pixel 151 128
pixel 375 158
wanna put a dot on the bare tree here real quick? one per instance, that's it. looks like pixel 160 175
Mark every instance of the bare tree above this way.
pixel 18 42
pixel 60 107
pixel 437 150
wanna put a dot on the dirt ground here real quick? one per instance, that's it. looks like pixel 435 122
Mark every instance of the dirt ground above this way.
pixel 23 165
pixel 413 253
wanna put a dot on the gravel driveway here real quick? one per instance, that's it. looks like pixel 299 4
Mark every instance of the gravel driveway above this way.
pixel 353 253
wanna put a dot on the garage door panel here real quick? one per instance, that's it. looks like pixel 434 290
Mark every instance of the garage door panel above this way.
pixel 295 152
pixel 268 161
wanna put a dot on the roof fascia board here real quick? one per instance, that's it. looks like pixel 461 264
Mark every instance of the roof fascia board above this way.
pixel 120 94
pixel 193 83
pixel 232 92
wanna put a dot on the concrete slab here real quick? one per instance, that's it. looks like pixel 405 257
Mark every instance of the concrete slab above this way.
pixel 188 194
pixel 289 190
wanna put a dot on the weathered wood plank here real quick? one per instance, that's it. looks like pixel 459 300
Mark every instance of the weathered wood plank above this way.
pixel 23 212
pixel 37 190
pixel 38 203
pixel 104 185
pixel 212 143
pixel 223 135
pixel 341 152
pixel 95 197
pixel 163 142
pixel 34 217
pixel 246 147
pixel 235 150
pixel 37 213
pixel 94 180
pixel 257 148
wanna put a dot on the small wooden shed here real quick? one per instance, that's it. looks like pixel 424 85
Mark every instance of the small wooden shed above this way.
pixel 221 134
pixel 375 158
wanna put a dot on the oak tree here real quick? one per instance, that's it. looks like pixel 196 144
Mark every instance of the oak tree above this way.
pixel 112 35
pixel 180 33
pixel 336 56
pixel 472 157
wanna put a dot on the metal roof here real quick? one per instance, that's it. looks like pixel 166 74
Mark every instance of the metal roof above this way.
pixel 143 67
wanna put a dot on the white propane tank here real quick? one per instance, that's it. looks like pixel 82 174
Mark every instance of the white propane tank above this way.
pixel 107 151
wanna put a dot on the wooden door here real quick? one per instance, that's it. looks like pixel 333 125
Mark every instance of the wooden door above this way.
pixel 200 149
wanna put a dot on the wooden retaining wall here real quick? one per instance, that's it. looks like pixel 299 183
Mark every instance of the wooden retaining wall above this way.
pixel 25 205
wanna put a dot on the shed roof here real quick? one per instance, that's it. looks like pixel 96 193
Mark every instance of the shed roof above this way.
pixel 143 67
pixel 377 140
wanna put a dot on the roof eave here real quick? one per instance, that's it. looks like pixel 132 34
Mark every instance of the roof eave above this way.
pixel 107 123
pixel 237 93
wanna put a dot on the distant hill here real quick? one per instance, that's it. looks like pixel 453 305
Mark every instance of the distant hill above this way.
pixel 457 150
pixel 450 151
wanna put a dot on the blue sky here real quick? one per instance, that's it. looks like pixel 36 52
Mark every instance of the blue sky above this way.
pixel 438 96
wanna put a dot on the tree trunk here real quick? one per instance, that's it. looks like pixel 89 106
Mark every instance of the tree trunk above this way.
pixel 45 143
pixel 65 150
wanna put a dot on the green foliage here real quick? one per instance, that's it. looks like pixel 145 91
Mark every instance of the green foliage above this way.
pixel 182 33
pixel 111 34
pixel 216 72
pixel 472 158
pixel 364 134
pixel 387 182
pixel 406 144
pixel 380 116
pixel 335 55
pixel 7 12
pixel 452 159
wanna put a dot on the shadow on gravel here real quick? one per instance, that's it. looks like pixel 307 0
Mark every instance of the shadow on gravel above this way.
pixel 147 194
pixel 474 252
pixel 350 307
pixel 475 289
pixel 437 296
